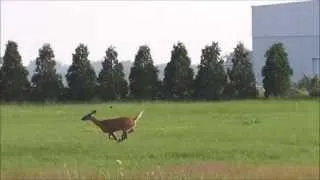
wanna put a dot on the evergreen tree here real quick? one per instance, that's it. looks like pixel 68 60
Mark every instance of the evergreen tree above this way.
pixel 241 75
pixel 14 83
pixel 211 77
pixel 111 82
pixel 143 75
pixel 277 71
pixel 81 77
pixel 178 75
pixel 46 83
pixel 121 84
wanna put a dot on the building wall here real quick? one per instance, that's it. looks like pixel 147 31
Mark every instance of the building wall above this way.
pixel 296 25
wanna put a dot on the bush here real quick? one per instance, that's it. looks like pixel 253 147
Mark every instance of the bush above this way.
pixel 311 85
pixel 315 92
pixel 295 92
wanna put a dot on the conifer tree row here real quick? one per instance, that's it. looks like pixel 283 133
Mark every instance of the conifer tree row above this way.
pixel 211 81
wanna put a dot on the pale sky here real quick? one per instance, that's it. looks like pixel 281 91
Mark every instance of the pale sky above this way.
pixel 125 25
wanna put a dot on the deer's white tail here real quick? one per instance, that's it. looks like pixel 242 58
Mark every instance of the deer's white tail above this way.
pixel 138 116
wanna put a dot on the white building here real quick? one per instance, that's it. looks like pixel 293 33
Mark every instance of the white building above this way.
pixel 296 25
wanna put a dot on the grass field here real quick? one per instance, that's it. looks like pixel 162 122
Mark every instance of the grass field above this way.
pixel 253 139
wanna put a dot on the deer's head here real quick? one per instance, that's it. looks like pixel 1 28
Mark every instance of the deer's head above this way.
pixel 88 116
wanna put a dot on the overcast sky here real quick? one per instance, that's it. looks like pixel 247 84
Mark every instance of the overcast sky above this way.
pixel 125 25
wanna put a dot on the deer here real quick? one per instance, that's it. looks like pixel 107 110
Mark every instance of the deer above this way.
pixel 111 125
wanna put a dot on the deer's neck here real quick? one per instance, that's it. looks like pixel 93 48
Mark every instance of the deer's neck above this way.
pixel 96 121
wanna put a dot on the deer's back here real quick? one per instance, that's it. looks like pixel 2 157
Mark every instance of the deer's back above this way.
pixel 116 124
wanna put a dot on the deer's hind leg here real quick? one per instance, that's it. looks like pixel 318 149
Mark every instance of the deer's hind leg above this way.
pixel 123 136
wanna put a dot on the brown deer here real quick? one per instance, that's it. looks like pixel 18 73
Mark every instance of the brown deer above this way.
pixel 111 125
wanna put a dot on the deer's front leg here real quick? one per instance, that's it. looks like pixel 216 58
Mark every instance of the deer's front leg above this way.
pixel 110 136
pixel 131 130
pixel 114 137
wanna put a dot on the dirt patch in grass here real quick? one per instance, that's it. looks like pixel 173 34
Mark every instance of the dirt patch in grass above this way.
pixel 224 171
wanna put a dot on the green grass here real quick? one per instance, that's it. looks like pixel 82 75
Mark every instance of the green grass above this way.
pixel 254 132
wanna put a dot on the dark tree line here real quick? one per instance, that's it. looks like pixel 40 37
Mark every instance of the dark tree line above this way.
pixel 212 81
